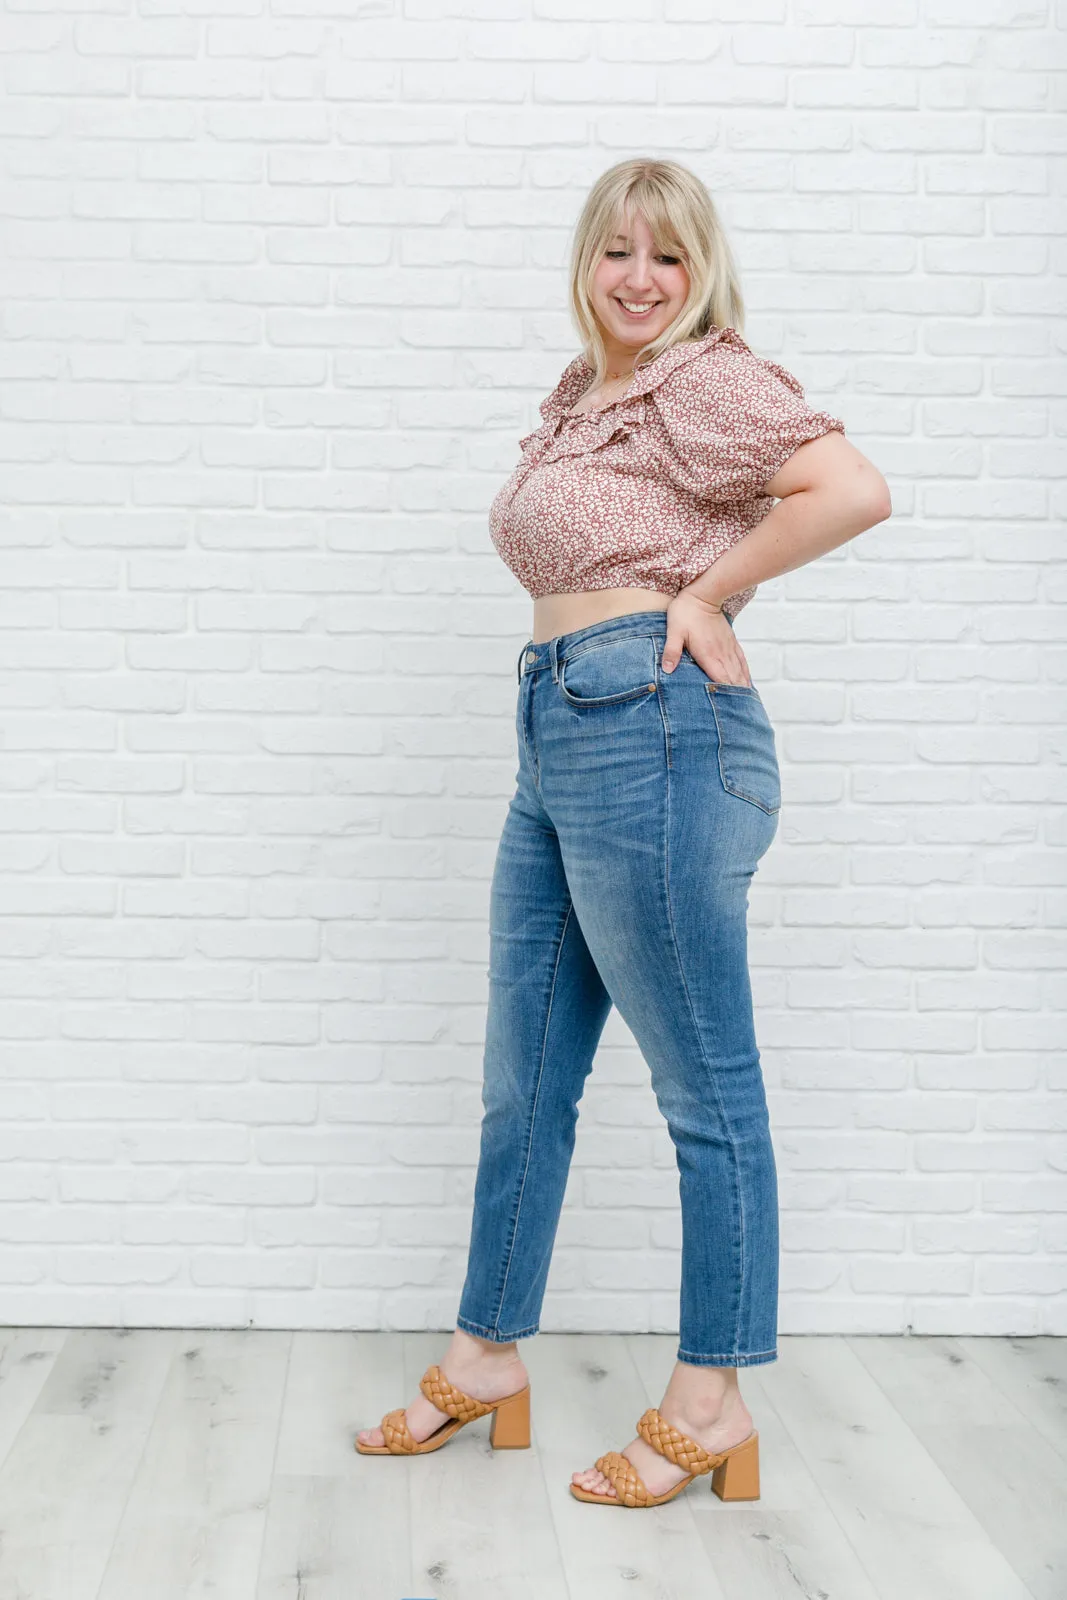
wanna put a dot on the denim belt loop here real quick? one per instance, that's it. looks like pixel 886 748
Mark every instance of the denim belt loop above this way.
pixel 555 658
pixel 518 665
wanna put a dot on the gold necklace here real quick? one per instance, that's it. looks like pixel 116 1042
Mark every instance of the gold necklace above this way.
pixel 612 376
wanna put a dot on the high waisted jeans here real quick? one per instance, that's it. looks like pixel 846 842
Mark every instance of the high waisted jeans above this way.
pixel 645 800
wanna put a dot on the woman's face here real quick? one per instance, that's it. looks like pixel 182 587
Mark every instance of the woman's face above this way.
pixel 634 274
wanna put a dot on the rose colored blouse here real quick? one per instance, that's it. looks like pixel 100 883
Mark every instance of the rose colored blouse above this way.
pixel 648 491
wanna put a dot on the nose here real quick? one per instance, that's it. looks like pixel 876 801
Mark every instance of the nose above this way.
pixel 640 276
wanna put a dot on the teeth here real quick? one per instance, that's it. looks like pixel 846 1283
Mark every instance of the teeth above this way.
pixel 634 305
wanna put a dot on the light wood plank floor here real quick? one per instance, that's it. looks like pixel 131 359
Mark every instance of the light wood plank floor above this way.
pixel 170 1465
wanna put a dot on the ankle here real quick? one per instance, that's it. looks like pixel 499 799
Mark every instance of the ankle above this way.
pixel 468 1347
pixel 704 1394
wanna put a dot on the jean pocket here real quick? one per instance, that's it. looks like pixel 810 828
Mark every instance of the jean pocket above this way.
pixel 610 672
pixel 748 760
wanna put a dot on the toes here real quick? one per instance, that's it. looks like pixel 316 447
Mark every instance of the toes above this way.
pixel 595 1482
pixel 371 1436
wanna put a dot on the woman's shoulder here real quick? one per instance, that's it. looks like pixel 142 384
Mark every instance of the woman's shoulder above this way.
pixel 725 382
pixel 732 417
pixel 723 365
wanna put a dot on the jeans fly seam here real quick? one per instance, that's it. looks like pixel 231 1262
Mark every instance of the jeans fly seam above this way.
pixel 531 754
pixel 711 1076
pixel 533 1109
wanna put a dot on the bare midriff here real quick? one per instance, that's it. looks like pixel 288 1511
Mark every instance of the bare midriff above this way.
pixel 565 613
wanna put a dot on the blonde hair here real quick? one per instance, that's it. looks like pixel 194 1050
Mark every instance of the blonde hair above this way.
pixel 683 221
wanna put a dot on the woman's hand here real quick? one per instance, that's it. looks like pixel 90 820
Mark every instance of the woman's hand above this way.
pixel 701 628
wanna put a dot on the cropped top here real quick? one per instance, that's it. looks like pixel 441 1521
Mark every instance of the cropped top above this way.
pixel 649 491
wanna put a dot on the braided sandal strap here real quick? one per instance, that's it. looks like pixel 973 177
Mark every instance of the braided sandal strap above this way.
pixel 676 1445
pixel 624 1478
pixel 399 1440
pixel 446 1397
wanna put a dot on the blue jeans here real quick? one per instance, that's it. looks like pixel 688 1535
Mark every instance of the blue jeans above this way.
pixel 645 800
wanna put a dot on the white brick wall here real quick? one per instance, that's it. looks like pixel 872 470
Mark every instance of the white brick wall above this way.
pixel 280 293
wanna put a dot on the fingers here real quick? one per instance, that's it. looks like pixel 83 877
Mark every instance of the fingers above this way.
pixel 709 639
pixel 672 650
pixel 731 668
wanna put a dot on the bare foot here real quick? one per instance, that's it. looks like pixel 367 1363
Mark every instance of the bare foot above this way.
pixel 703 1402
pixel 482 1369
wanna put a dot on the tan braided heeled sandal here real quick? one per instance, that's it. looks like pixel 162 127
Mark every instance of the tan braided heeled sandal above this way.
pixel 509 1429
pixel 734 1471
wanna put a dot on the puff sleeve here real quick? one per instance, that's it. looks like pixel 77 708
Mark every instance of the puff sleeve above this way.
pixel 732 419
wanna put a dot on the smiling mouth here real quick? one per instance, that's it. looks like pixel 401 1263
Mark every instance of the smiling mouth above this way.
pixel 644 307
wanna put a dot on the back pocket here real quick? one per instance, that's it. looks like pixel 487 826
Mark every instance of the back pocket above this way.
pixel 748 761
pixel 608 673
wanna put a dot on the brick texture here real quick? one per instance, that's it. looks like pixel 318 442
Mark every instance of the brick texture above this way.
pixel 279 294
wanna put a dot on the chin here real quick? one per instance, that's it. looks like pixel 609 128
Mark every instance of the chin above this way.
pixel 638 331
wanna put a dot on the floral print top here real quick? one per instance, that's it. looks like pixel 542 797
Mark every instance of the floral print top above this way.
pixel 648 491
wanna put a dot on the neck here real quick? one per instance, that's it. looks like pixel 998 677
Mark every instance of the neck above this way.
pixel 620 357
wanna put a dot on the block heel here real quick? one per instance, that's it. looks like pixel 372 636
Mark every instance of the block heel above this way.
pixel 508 1430
pixel 510 1427
pixel 737 1478
pixel 734 1471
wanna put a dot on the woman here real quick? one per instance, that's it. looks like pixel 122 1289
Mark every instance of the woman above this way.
pixel 640 519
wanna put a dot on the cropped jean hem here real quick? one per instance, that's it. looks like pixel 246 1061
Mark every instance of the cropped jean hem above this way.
pixel 754 1359
pixel 492 1334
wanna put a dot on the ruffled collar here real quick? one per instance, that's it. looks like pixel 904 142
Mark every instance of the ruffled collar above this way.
pixel 578 374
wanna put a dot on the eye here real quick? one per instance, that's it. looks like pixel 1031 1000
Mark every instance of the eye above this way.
pixel 671 261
